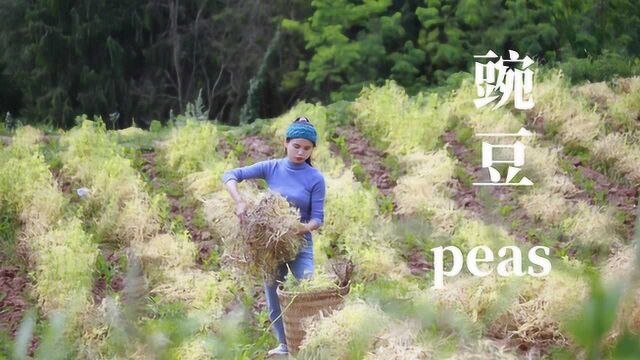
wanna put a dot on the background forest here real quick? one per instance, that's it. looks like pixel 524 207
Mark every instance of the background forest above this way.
pixel 140 60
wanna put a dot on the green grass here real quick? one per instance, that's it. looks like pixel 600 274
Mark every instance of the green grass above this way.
pixel 9 227
pixel 505 210
pixel 461 174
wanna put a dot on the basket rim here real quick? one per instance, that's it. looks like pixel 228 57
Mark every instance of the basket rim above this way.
pixel 338 290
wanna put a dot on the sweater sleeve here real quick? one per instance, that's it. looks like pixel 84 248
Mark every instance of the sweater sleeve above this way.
pixel 258 170
pixel 317 201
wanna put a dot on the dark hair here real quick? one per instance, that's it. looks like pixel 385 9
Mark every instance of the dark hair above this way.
pixel 301 119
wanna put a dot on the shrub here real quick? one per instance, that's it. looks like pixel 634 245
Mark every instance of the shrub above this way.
pixel 423 190
pixel 592 228
pixel 618 152
pixel 625 112
pixel 577 122
pixel 65 259
pixel 346 334
pixel 621 267
pixel 599 68
pixel 478 299
pixel 405 124
pixel 347 205
pixel 597 92
pixel 192 147
pixel 542 309
pixel 548 206
pixel 117 204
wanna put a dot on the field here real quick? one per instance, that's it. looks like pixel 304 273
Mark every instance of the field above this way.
pixel 135 267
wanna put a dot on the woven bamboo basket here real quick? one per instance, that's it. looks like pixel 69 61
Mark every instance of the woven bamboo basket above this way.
pixel 298 305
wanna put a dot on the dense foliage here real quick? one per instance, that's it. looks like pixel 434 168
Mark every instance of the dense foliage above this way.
pixel 140 60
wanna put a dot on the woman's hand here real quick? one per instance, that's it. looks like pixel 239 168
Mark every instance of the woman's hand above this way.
pixel 302 229
pixel 241 211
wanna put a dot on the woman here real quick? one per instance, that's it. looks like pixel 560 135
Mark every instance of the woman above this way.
pixel 304 187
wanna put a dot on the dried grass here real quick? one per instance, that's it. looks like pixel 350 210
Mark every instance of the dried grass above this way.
pixel 621 268
pixel 543 306
pixel 495 121
pixel 621 153
pixel 481 120
pixel 27 137
pixel 541 166
pixel 265 240
pixel 345 334
pixel 598 92
pixel 219 213
pixel 202 183
pixel 27 186
pixel 399 343
pixel 378 262
pixel 479 299
pixel 207 294
pixel 319 281
pixel 577 123
pixel 119 206
pixel 628 85
pixel 592 227
pixel 424 190
pixel 625 112
pixel 191 148
pixel 198 348
pixel 483 349
pixel 548 206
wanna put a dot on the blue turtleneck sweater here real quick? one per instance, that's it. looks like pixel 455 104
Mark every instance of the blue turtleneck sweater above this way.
pixel 301 184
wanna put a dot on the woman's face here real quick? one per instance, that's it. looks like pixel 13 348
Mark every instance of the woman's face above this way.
pixel 298 150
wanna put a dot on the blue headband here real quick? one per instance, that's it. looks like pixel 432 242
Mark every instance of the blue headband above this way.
pixel 302 130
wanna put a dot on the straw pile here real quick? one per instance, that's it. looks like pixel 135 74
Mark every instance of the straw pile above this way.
pixel 345 334
pixel 399 343
pixel 267 237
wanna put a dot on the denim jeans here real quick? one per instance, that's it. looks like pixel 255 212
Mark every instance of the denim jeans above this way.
pixel 302 267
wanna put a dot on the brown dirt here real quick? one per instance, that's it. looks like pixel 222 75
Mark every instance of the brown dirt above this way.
pixel 99 290
pixel 417 262
pixel 370 158
pixel 223 147
pixel 63 181
pixel 149 167
pixel 256 149
pixel 13 302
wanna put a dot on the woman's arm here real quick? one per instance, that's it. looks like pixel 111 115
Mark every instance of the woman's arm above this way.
pixel 241 206
pixel 258 170
pixel 233 176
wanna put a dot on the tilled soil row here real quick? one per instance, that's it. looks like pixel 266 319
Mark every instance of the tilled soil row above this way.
pixel 622 196
pixel 368 156
pixel 468 197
